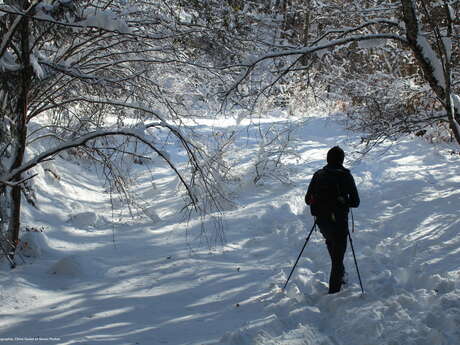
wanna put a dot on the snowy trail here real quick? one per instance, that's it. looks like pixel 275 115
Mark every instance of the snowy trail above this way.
pixel 407 248
pixel 152 288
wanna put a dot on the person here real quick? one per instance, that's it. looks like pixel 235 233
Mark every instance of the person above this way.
pixel 331 193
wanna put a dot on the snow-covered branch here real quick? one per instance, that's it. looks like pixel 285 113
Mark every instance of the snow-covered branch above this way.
pixel 349 30
pixel 105 101
pixel 16 183
pixel 319 46
pixel 137 133
pixel 102 22
pixel 326 45
pixel 6 39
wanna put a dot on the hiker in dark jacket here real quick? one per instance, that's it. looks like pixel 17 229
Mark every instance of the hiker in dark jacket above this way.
pixel 331 193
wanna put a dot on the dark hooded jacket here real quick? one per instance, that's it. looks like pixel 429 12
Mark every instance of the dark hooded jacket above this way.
pixel 342 178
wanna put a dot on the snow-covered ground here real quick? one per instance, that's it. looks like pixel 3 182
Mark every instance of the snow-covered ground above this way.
pixel 93 276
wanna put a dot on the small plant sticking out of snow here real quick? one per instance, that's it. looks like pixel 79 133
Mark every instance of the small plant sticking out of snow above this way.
pixel 33 242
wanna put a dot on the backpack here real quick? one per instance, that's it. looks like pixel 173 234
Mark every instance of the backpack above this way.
pixel 325 195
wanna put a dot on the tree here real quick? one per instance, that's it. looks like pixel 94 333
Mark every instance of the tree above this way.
pixel 349 41
pixel 83 70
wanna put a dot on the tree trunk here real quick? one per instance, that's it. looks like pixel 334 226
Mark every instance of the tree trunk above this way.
pixel 20 131
pixel 305 30
pixel 453 114
pixel 412 34
pixel 441 91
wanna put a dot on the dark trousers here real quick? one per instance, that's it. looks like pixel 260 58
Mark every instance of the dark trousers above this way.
pixel 335 235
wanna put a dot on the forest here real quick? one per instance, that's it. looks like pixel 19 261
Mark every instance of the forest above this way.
pixel 122 120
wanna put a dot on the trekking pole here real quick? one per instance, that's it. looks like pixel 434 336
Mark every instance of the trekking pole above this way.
pixel 356 263
pixel 298 258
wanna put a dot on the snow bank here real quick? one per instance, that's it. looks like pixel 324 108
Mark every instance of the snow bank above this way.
pixel 85 220
pixel 149 287
pixel 151 213
pixel 34 244
pixel 406 244
pixel 76 266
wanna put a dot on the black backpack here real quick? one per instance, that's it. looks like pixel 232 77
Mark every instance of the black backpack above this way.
pixel 325 195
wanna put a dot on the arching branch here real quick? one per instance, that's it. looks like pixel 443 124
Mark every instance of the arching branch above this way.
pixel 137 133
pixel 308 51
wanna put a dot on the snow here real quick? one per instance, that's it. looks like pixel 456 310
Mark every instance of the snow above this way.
pixel 84 219
pixel 148 279
pixel 369 44
pixel 34 244
pixel 36 67
pixel 456 110
pixel 456 101
pixel 107 20
pixel 321 46
pixel 435 62
pixel 447 43
pixel 452 12
pixel 7 36
pixel 8 63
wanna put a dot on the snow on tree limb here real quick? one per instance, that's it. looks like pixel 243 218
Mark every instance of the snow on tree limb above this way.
pixel 321 45
pixel 136 106
pixel 103 20
pixel 432 59
pixel 8 36
pixel 455 101
pixel 95 22
pixel 130 132
pixel 106 20
pixel 108 101
pixel 349 30
pixel 16 183
pixel 6 40
pixel 325 45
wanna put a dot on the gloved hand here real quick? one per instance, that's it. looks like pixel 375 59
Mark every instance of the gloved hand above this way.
pixel 342 200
